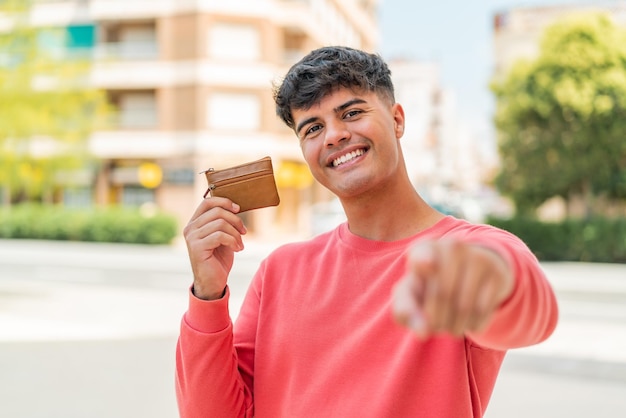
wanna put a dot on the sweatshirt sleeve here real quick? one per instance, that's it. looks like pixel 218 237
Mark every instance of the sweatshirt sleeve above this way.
pixel 209 382
pixel 530 313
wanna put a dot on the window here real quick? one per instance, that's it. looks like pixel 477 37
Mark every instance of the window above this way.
pixel 135 196
pixel 79 197
pixel 129 40
pixel 137 110
pixel 234 42
pixel 137 42
pixel 81 36
pixel 73 41
pixel 234 111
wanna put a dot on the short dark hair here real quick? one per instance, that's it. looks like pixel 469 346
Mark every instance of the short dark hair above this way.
pixel 326 69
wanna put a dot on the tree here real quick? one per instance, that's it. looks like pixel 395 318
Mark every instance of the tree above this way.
pixel 561 118
pixel 46 105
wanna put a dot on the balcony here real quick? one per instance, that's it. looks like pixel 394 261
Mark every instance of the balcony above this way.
pixel 126 51
pixel 135 119
pixel 141 144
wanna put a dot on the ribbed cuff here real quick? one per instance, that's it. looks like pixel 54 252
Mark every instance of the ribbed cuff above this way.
pixel 208 316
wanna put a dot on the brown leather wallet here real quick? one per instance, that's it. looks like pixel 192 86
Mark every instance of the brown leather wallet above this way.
pixel 250 185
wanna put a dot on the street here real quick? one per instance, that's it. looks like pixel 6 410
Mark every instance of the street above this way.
pixel 89 331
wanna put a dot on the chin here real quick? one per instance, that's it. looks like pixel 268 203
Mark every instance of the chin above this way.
pixel 353 189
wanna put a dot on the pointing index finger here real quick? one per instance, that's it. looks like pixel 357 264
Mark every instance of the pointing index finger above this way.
pixel 422 261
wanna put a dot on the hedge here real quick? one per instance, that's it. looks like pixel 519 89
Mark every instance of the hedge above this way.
pixel 595 240
pixel 109 224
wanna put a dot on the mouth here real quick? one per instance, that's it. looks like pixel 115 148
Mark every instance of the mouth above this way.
pixel 349 156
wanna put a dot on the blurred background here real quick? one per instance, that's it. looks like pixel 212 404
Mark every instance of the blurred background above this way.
pixel 110 110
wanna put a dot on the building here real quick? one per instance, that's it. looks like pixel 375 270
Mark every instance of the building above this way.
pixel 191 84
pixel 443 160
pixel 418 90
pixel 518 31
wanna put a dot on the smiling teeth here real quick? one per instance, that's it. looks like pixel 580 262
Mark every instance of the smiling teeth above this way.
pixel 349 156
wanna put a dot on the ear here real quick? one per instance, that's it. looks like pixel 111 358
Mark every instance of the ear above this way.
pixel 398 119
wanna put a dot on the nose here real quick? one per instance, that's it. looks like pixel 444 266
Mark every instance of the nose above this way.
pixel 335 133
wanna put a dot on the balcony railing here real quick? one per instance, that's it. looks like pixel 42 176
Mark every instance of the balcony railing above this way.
pixel 134 119
pixel 120 51
pixel 127 51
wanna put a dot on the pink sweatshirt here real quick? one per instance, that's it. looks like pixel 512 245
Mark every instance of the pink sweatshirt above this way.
pixel 315 336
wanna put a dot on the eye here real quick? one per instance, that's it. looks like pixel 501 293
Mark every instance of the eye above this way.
pixel 312 130
pixel 352 113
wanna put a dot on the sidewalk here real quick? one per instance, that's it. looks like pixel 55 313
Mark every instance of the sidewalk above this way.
pixel 72 291
pixel 86 290
pixel 592 304
pixel 590 338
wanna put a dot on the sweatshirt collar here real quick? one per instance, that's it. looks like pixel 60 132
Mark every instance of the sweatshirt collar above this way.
pixel 363 244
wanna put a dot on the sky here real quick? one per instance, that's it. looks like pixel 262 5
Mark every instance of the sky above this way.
pixel 456 34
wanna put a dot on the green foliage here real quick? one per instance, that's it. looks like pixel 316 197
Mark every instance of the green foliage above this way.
pixel 113 224
pixel 561 118
pixel 594 240
pixel 48 109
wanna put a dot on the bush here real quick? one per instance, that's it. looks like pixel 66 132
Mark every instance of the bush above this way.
pixel 594 240
pixel 112 224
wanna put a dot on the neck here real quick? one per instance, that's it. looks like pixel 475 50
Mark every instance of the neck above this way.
pixel 389 216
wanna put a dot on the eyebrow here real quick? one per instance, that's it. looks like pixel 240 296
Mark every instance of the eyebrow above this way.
pixel 305 122
pixel 338 109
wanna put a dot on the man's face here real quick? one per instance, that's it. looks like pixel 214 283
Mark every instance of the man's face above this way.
pixel 350 140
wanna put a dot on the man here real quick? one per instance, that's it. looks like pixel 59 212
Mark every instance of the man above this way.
pixel 320 332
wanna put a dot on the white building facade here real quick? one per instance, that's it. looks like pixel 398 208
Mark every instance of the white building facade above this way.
pixel 443 158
